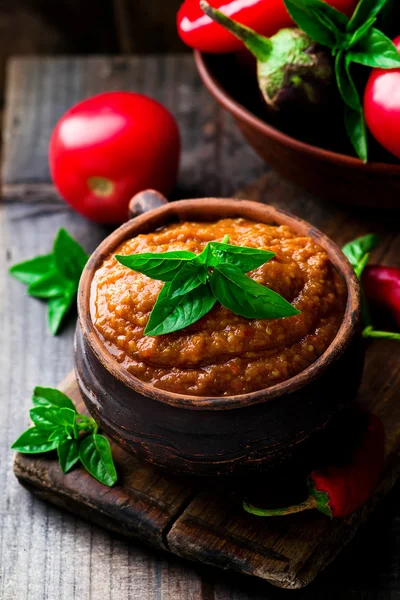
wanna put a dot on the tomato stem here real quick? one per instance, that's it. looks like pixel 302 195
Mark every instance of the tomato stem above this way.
pixel 101 186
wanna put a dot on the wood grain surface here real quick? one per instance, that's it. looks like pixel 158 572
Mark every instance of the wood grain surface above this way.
pixel 45 552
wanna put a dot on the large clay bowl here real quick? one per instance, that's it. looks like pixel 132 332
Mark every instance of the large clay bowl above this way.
pixel 329 174
pixel 236 435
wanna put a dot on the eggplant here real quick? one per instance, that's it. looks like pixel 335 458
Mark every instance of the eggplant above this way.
pixel 295 74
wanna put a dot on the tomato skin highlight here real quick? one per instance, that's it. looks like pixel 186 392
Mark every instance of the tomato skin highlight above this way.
pixel 266 17
pixel 382 106
pixel 109 147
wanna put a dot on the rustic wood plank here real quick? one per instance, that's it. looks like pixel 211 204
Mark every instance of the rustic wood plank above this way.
pixel 40 91
pixel 144 26
pixel 46 553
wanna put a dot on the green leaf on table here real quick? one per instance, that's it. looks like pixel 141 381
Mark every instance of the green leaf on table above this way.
pixel 162 266
pixel 30 271
pixel 68 453
pixel 375 50
pixel 323 23
pixel 50 285
pixel 34 441
pixel 357 249
pixel 45 417
pixel 357 131
pixel 54 277
pixel 58 308
pixel 247 298
pixel 59 433
pixel 171 314
pixel 366 10
pixel 52 398
pixel 96 457
pixel 69 256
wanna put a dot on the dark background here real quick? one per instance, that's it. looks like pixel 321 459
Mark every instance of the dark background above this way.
pixel 86 27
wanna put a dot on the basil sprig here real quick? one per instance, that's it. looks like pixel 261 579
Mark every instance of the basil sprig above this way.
pixel 354 40
pixel 58 426
pixel 195 282
pixel 357 253
pixel 54 277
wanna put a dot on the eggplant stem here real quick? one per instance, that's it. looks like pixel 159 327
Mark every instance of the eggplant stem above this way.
pixel 259 45
pixel 308 504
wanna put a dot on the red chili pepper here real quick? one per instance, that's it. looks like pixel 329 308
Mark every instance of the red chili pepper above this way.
pixel 264 16
pixel 339 491
pixel 382 286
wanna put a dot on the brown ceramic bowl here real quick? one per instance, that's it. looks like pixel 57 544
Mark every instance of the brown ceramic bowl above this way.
pixel 332 175
pixel 235 435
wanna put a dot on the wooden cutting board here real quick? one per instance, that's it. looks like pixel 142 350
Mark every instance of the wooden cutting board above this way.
pixel 202 523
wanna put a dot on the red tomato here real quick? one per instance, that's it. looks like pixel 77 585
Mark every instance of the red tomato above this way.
pixel 266 17
pixel 382 106
pixel 109 147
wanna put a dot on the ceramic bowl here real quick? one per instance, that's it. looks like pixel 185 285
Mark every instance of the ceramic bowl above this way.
pixel 208 436
pixel 329 174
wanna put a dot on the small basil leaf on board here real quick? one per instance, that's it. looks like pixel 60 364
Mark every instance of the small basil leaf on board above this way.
pixel 356 130
pixel 169 315
pixel 46 418
pixel 366 10
pixel 68 454
pixel 247 298
pixel 32 270
pixel 246 259
pixel 345 83
pixel 320 21
pixel 96 457
pixel 376 50
pixel 162 266
pixel 34 441
pixel 355 250
pixel 51 397
pixel 50 285
pixel 59 434
pixel 58 308
pixel 70 258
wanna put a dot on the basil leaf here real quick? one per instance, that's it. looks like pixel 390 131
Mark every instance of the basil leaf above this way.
pixel 345 82
pixel 357 131
pixel 247 298
pixel 52 398
pixel 376 50
pixel 34 441
pixel 70 258
pixel 59 434
pixel 171 314
pixel 359 33
pixel 68 454
pixel 46 417
pixel 50 285
pixel 365 11
pixel 356 250
pixel 321 22
pixel 33 270
pixel 163 266
pixel 184 282
pixel 96 457
pixel 58 308
pixel 246 259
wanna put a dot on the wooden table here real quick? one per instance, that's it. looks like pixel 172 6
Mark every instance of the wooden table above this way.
pixel 46 553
